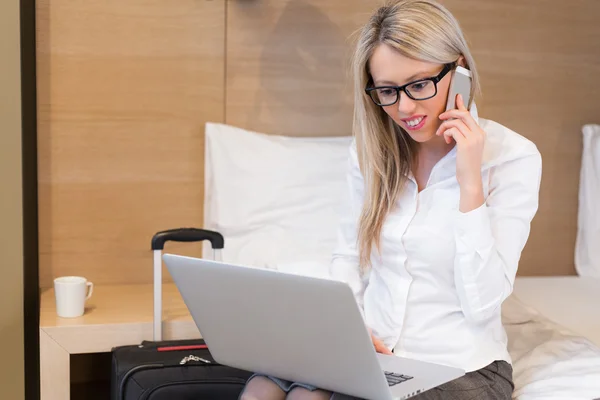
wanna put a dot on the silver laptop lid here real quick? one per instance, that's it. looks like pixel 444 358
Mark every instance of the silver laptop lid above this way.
pixel 277 323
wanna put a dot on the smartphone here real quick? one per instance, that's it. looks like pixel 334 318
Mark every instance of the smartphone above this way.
pixel 460 83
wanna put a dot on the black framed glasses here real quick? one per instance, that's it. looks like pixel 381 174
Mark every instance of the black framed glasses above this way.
pixel 422 89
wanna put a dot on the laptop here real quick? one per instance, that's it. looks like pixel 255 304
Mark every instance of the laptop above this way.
pixel 295 327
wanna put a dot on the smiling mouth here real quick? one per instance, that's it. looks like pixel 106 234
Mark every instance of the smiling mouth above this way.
pixel 415 123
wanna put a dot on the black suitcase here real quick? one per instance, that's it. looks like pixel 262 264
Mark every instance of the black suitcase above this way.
pixel 173 370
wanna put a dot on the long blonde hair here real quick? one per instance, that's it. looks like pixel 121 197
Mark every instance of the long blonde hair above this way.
pixel 419 29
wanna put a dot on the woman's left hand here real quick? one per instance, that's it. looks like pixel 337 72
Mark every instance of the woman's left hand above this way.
pixel 459 125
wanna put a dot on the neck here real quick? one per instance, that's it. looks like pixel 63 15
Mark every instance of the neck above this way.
pixel 434 148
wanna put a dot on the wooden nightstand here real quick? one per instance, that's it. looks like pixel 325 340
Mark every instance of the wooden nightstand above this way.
pixel 115 315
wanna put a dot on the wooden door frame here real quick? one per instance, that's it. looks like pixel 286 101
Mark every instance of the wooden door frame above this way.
pixel 31 297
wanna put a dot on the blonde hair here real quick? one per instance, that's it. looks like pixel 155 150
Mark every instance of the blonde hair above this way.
pixel 419 29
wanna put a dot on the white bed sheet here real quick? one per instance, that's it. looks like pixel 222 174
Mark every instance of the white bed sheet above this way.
pixel 571 301
pixel 549 360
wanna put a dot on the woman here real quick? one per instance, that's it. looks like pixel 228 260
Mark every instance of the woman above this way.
pixel 440 206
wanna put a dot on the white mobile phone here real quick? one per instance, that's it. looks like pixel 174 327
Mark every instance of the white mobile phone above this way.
pixel 460 83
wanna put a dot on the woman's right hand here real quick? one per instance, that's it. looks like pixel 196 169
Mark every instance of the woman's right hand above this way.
pixel 379 346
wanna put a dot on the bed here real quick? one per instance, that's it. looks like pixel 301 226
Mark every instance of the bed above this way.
pixel 275 199
pixel 549 360
pixel 570 301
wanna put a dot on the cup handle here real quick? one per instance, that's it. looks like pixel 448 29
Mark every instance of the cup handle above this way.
pixel 90 286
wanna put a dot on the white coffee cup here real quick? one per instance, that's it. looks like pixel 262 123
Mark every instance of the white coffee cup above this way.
pixel 71 293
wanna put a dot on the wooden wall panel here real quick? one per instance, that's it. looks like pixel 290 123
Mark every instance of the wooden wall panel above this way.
pixel 538 60
pixel 287 70
pixel 124 88
pixel 287 74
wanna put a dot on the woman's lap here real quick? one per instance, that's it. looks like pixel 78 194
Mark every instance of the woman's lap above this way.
pixel 288 386
pixel 493 382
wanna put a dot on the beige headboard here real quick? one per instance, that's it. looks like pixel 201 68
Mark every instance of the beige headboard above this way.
pixel 126 87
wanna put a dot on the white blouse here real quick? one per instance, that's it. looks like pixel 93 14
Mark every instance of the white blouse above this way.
pixel 435 291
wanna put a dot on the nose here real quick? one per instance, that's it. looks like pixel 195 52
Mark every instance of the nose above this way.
pixel 406 105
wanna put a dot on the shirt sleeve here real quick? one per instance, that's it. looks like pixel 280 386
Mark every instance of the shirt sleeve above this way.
pixel 490 239
pixel 345 258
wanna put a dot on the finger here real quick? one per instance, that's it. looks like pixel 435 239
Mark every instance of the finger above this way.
pixel 455 113
pixel 470 134
pixel 460 104
pixel 463 115
pixel 380 348
pixel 454 133
pixel 455 123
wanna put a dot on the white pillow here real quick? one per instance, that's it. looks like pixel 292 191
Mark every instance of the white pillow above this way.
pixel 275 199
pixel 587 246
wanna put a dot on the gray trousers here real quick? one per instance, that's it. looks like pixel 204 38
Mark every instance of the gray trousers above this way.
pixel 493 382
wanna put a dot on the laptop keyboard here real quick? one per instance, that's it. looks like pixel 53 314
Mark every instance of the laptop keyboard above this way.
pixel 394 379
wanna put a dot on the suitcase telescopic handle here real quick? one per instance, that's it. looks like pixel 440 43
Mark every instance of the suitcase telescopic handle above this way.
pixel 177 235
pixel 187 235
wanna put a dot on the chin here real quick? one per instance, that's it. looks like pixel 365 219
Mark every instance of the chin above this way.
pixel 421 136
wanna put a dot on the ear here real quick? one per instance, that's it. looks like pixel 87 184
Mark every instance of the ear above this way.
pixel 462 62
